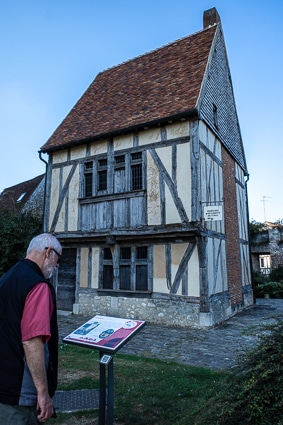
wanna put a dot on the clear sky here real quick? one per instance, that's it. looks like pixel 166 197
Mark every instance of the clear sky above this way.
pixel 52 50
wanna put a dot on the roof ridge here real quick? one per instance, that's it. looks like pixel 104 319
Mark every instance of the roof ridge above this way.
pixel 157 48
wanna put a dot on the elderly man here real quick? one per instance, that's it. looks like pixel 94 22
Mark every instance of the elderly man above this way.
pixel 29 335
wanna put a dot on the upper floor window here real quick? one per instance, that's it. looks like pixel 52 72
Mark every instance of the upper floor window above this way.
pixel 124 174
pixel 102 175
pixel 136 171
pixel 88 178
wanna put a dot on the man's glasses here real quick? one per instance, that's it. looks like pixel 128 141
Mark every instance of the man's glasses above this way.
pixel 56 252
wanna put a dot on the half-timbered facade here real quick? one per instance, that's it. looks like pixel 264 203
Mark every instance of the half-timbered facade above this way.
pixel 146 189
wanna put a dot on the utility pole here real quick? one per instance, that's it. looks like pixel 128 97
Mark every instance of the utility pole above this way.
pixel 263 200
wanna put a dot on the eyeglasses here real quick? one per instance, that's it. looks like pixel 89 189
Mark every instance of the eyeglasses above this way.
pixel 56 252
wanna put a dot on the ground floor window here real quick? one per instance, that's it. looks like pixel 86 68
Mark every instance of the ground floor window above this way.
pixel 265 264
pixel 125 268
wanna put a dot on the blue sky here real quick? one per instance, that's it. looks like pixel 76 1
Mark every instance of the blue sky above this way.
pixel 52 50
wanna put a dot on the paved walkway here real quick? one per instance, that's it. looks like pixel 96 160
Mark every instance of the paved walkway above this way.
pixel 216 348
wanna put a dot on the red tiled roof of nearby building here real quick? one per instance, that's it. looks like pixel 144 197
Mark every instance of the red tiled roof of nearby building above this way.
pixel 157 85
pixel 15 197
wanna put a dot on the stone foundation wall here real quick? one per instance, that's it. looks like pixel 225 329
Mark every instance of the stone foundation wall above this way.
pixel 164 312
pixel 159 311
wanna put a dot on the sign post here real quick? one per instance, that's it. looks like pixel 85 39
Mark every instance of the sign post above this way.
pixel 107 335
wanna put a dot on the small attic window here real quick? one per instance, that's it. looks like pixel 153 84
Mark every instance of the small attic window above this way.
pixel 215 116
pixel 21 197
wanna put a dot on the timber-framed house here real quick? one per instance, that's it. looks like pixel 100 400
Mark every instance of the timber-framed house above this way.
pixel 146 189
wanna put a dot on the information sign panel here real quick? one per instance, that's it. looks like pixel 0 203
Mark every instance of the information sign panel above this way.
pixel 104 333
pixel 213 213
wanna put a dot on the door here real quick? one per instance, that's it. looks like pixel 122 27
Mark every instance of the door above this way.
pixel 66 286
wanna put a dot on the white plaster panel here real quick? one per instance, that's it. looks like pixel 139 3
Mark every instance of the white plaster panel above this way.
pixel 78 152
pixel 177 253
pixel 209 140
pixel 217 266
pixel 184 178
pixel 60 225
pixel 153 193
pixel 123 142
pixel 174 269
pixel 202 132
pixel 159 269
pixel 160 285
pixel 95 268
pixel 84 268
pixel 171 212
pixel 193 275
pixel 165 155
pixel 54 195
pixel 149 136
pixel 176 130
pixel 99 147
pixel 73 201
pixel 58 157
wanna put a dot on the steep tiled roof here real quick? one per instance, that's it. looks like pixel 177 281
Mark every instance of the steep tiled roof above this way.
pixel 151 87
pixel 16 197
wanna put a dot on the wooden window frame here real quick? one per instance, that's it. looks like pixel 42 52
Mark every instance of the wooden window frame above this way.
pixel 100 175
pixel 120 263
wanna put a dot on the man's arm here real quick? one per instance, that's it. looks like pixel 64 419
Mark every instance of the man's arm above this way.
pixel 34 352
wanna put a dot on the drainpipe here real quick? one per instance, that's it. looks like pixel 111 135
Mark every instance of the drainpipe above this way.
pixel 44 196
pixel 249 235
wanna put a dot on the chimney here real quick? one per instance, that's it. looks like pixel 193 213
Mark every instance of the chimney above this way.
pixel 210 17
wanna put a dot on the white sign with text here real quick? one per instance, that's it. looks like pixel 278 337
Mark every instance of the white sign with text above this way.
pixel 213 213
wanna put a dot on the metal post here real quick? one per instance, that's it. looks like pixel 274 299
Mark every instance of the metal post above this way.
pixel 102 393
pixel 110 396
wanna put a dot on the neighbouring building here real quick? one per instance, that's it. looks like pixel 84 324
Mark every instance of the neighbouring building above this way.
pixel 146 189
pixel 267 248
pixel 25 196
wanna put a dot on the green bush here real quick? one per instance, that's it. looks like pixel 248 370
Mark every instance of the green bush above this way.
pixel 259 278
pixel 253 394
pixel 273 289
pixel 276 275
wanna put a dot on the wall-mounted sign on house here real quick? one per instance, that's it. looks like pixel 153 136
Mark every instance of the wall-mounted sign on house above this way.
pixel 213 213
pixel 149 143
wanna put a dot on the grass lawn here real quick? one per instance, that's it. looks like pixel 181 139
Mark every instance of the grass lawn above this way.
pixel 147 391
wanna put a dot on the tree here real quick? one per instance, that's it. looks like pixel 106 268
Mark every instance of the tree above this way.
pixel 16 230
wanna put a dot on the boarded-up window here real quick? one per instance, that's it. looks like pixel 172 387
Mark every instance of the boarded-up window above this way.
pixel 133 269
pixel 107 269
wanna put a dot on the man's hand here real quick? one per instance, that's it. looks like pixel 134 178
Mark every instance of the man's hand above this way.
pixel 34 352
pixel 45 408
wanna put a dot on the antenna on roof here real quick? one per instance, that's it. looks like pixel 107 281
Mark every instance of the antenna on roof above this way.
pixel 263 200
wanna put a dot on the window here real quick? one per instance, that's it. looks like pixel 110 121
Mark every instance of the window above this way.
pixel 102 175
pixel 107 269
pixel 123 174
pixel 141 269
pixel 265 264
pixel 136 171
pixel 88 175
pixel 119 174
pixel 21 197
pixel 132 263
